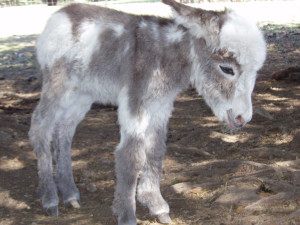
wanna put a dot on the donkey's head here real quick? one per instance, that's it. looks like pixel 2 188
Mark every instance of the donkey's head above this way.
pixel 227 50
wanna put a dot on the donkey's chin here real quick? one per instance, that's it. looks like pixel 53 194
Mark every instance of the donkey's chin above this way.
pixel 228 123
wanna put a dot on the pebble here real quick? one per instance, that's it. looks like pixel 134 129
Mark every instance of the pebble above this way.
pixel 238 195
pixel 184 187
pixel 91 187
pixel 22 144
pixel 32 77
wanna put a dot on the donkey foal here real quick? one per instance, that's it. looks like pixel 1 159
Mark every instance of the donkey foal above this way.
pixel 92 54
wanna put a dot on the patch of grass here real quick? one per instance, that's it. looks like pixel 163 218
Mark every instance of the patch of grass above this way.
pixel 16 54
pixel 175 181
pixel 277 28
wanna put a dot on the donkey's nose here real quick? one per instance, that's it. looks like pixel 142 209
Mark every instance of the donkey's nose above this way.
pixel 239 120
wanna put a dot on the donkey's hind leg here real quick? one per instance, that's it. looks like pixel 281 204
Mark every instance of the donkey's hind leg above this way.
pixel 148 192
pixel 64 130
pixel 40 135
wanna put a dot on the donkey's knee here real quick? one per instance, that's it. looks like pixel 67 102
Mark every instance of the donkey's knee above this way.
pixel 40 133
pixel 40 140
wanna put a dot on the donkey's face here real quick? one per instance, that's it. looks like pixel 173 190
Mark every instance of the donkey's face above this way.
pixel 227 51
pixel 231 70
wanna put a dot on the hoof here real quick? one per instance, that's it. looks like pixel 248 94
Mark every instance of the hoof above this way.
pixel 75 204
pixel 52 211
pixel 164 218
pixel 127 221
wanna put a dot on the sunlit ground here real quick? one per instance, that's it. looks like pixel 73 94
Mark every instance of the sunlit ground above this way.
pixel 26 20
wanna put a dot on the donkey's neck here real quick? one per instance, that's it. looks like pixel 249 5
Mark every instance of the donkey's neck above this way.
pixel 165 47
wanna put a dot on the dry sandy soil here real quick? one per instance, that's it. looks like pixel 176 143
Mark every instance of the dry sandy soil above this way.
pixel 211 176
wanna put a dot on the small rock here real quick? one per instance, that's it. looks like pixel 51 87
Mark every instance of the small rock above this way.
pixel 268 203
pixel 241 196
pixel 32 77
pixel 197 190
pixel 82 144
pixel 28 54
pixel 91 187
pixel 22 144
pixel 19 54
pixel 183 187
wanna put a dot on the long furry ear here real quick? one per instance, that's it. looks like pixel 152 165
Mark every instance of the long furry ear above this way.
pixel 202 23
pixel 181 9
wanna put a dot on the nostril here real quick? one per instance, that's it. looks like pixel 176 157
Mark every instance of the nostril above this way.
pixel 240 120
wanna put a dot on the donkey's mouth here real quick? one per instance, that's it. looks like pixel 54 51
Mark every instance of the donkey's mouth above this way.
pixel 233 124
pixel 230 122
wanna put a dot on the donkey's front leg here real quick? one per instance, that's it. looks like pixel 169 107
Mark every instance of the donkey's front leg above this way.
pixel 149 185
pixel 130 158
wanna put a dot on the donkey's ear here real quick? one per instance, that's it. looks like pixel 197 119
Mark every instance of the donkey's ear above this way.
pixel 181 9
pixel 197 15
pixel 202 23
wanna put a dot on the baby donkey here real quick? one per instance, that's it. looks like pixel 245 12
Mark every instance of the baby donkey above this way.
pixel 90 54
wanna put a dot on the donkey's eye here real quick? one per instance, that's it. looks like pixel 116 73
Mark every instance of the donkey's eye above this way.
pixel 227 70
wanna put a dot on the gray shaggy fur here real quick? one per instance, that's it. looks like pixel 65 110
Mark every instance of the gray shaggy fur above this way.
pixel 92 54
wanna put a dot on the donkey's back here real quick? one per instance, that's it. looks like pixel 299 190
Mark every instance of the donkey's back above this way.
pixel 91 46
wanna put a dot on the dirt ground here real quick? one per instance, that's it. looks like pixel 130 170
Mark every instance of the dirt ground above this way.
pixel 211 176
